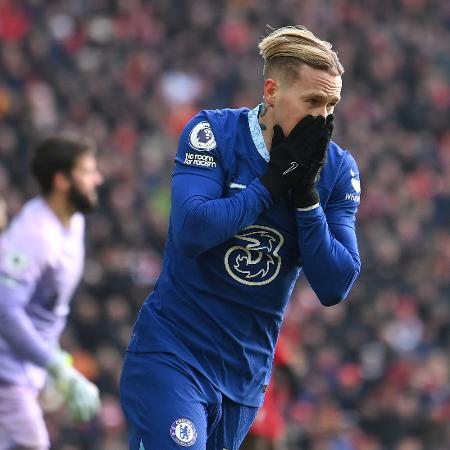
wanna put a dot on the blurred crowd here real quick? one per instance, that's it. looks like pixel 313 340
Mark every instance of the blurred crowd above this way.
pixel 370 374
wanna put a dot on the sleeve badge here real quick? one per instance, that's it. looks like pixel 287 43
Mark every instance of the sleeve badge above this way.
pixel 201 137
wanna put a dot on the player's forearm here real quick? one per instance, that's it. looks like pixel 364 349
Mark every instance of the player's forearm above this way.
pixel 200 223
pixel 330 267
pixel 18 330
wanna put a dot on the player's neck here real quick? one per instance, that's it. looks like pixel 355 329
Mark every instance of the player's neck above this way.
pixel 62 209
pixel 266 123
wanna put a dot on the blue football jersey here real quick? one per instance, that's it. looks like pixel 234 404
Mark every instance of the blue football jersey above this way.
pixel 233 256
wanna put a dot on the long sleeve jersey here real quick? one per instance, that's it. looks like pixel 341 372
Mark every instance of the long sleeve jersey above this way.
pixel 41 263
pixel 233 256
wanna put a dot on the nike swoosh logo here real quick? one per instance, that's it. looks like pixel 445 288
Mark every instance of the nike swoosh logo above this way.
pixel 294 165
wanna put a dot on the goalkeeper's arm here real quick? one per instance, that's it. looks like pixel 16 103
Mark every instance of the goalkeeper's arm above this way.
pixel 80 395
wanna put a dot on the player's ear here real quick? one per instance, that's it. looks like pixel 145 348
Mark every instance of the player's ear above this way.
pixel 61 181
pixel 270 91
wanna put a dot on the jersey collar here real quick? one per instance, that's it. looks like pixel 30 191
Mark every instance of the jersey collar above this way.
pixel 255 131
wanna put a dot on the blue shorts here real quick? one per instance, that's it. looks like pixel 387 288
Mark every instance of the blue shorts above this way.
pixel 170 405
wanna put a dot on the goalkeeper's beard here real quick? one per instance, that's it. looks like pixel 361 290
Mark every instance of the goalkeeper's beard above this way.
pixel 81 201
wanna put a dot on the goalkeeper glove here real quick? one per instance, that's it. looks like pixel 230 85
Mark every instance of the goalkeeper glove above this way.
pixel 291 157
pixel 305 193
pixel 80 395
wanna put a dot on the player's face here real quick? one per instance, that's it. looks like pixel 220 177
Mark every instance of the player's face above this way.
pixel 315 92
pixel 85 179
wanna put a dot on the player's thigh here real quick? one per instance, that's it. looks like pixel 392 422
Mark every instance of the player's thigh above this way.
pixel 163 403
pixel 22 423
pixel 233 426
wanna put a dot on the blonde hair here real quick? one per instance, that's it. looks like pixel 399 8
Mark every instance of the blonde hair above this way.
pixel 286 48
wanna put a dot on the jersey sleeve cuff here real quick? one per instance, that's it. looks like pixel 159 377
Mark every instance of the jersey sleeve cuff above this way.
pixel 309 208
pixel 308 215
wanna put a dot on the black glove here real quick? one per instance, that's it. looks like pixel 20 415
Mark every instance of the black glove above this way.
pixel 305 192
pixel 292 156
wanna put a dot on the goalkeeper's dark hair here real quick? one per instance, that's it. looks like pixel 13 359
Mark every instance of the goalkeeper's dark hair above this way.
pixel 58 153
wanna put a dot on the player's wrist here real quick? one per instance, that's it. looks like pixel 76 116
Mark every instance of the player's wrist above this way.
pixel 274 182
pixel 305 197
pixel 55 364
pixel 59 362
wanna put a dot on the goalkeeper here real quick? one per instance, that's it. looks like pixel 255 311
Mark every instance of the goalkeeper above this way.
pixel 41 262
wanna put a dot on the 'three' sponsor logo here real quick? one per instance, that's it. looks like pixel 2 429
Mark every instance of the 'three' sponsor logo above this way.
pixel 255 260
